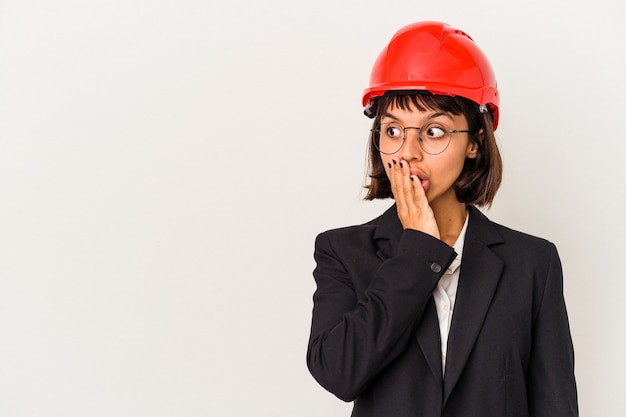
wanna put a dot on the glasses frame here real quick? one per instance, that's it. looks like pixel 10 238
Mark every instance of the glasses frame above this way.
pixel 419 136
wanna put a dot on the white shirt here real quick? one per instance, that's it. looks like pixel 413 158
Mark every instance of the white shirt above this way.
pixel 445 293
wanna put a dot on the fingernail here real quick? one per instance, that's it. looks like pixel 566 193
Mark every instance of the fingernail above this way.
pixel 394 161
pixel 401 164
pixel 411 177
pixel 389 163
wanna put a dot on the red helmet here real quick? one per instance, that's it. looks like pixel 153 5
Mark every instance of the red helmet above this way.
pixel 435 57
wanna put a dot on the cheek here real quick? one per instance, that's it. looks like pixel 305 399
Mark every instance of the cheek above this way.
pixel 447 170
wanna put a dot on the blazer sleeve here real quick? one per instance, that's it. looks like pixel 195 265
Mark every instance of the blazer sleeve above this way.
pixel 352 339
pixel 551 382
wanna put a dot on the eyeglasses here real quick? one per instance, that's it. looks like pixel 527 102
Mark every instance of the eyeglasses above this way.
pixel 433 138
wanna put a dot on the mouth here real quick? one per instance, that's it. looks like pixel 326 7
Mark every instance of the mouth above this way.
pixel 422 179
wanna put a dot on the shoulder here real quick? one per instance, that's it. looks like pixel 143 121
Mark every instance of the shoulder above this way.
pixel 388 222
pixel 355 233
pixel 362 239
pixel 490 230
pixel 505 240
pixel 520 238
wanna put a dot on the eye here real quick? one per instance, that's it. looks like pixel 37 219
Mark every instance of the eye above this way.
pixel 435 131
pixel 393 131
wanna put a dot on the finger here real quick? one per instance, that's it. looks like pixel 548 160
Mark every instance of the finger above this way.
pixel 395 176
pixel 410 209
pixel 397 184
pixel 420 194
pixel 408 187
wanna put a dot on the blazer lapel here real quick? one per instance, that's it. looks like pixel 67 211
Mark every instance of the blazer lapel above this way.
pixel 480 273
pixel 429 339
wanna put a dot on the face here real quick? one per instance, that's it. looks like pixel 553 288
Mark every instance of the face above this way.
pixel 437 173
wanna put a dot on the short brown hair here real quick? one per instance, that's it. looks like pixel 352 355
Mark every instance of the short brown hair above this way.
pixel 480 178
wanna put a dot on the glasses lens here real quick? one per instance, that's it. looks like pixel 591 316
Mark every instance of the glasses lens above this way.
pixel 434 138
pixel 391 138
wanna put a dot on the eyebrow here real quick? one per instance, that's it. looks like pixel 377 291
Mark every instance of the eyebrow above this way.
pixel 429 117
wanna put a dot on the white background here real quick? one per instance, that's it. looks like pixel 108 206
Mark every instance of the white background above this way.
pixel 166 165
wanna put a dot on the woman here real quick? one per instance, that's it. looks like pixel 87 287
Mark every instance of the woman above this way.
pixel 431 309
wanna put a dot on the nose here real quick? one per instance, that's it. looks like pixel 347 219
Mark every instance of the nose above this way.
pixel 411 148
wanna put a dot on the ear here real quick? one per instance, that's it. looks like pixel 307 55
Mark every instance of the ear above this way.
pixel 472 149
pixel 472 146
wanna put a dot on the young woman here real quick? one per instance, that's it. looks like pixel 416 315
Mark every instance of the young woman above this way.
pixel 431 309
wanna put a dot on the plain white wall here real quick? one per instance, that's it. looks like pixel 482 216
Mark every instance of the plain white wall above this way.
pixel 165 166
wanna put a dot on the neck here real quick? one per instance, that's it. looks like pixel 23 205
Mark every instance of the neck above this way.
pixel 450 219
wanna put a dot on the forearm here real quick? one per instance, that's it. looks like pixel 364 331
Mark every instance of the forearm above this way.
pixel 353 339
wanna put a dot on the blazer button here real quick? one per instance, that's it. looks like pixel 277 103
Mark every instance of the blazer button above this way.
pixel 435 267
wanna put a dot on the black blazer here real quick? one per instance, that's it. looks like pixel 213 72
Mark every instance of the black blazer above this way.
pixel 375 335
